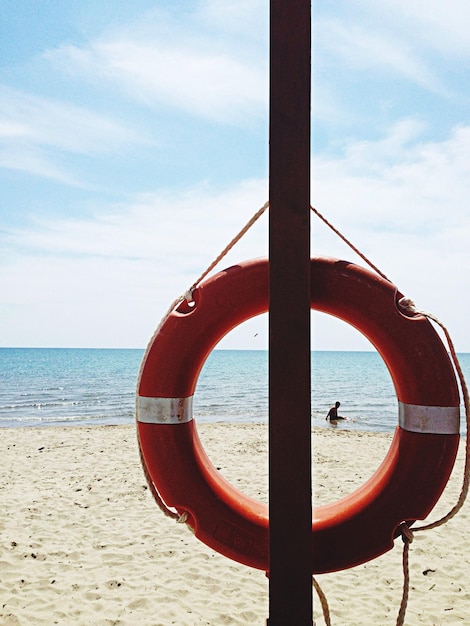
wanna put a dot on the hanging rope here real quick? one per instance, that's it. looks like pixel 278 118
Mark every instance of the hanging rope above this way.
pixel 407 306
pixel 323 601
pixel 347 242
pixel 226 250
pixel 407 537
pixel 189 297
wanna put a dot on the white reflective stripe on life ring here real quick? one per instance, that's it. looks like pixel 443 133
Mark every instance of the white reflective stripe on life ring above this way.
pixel 164 410
pixel 438 420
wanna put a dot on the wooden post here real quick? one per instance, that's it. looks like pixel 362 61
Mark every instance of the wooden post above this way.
pixel 290 485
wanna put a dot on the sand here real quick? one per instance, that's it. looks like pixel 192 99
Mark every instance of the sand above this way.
pixel 83 542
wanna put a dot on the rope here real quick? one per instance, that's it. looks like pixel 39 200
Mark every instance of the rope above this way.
pixel 351 245
pixel 407 533
pixel 168 512
pixel 407 536
pixel 407 306
pixel 323 601
pixel 226 250
pixel 189 297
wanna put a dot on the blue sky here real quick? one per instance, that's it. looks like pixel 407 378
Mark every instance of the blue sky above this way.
pixel 134 145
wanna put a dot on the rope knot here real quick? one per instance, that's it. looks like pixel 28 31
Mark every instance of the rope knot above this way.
pixel 407 534
pixel 188 296
pixel 406 305
pixel 183 518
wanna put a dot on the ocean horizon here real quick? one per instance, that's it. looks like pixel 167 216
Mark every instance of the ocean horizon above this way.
pixel 96 386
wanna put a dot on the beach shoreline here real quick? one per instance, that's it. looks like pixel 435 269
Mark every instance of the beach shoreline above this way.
pixel 83 541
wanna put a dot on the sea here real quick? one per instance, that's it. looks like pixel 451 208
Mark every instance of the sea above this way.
pixel 69 386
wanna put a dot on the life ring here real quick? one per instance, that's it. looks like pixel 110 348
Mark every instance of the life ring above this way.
pixel 356 528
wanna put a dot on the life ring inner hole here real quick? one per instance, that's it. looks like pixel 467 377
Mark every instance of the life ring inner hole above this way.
pixel 233 388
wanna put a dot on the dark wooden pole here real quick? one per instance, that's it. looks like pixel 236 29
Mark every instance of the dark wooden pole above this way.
pixel 290 485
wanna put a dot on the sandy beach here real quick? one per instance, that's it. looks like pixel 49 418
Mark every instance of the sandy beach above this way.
pixel 83 542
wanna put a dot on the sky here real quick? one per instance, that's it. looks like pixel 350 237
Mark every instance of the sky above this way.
pixel 134 146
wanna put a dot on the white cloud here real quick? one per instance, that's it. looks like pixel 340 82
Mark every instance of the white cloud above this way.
pixel 243 17
pixel 403 202
pixel 35 131
pixel 113 276
pixel 59 125
pixel 26 158
pixel 151 227
pixel 108 280
pixel 400 179
pixel 354 46
pixel 9 128
pixel 437 25
pixel 164 63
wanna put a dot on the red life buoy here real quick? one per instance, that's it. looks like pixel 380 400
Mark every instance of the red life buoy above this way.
pixel 356 528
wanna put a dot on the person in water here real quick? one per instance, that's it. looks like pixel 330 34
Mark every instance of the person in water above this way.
pixel 333 413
